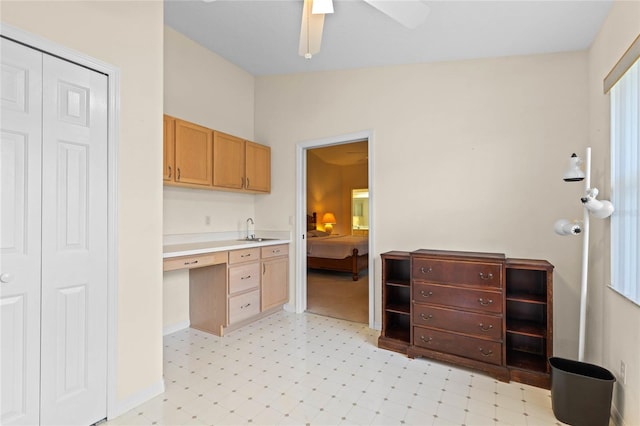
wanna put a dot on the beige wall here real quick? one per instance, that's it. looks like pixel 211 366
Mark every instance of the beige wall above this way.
pixel 467 155
pixel 127 35
pixel 613 334
pixel 324 190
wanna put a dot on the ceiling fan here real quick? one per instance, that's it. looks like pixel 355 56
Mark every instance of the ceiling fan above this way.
pixel 409 13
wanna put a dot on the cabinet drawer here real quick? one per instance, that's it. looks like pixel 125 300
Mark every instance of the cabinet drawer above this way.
pixel 244 255
pixel 244 277
pixel 468 347
pixel 274 251
pixel 195 261
pixel 458 297
pixel 457 272
pixel 244 306
pixel 487 326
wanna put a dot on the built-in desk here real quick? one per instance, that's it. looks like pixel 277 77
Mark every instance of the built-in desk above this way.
pixel 231 283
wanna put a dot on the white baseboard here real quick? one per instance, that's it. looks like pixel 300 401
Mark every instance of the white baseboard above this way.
pixel 120 407
pixel 175 327
pixel 289 308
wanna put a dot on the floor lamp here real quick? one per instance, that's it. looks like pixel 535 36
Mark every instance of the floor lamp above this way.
pixel 592 206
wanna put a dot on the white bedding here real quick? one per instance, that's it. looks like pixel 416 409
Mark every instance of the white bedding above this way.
pixel 336 246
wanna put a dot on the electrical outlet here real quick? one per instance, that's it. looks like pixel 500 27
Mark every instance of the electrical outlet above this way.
pixel 207 220
pixel 623 373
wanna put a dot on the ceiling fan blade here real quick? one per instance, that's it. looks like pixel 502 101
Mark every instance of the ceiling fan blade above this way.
pixel 310 31
pixel 409 13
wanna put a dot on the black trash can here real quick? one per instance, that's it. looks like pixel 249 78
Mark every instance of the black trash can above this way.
pixel 580 392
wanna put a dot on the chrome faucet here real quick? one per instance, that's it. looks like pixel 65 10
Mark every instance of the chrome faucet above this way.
pixel 250 236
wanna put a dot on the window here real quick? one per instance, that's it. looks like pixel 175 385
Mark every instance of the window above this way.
pixel 625 183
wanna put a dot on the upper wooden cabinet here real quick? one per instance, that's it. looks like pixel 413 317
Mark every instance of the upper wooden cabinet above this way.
pixel 169 129
pixel 188 153
pixel 193 153
pixel 228 161
pixel 197 157
pixel 258 167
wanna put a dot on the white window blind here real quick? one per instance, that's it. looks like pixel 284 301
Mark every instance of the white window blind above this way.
pixel 625 181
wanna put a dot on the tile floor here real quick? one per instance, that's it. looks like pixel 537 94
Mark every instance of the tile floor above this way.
pixel 305 369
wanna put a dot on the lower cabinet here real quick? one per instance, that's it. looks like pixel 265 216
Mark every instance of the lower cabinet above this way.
pixel 477 310
pixel 228 290
pixel 275 276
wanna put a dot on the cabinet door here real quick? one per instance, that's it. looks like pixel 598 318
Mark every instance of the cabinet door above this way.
pixel 275 282
pixel 193 153
pixel 228 161
pixel 258 167
pixel 168 127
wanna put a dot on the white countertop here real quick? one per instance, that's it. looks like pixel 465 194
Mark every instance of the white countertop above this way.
pixel 175 245
pixel 200 247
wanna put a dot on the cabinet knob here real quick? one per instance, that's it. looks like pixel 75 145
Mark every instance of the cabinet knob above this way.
pixel 483 328
pixel 427 294
pixel 426 317
pixel 425 339
pixel 425 271
pixel 487 353
pixel 486 277
pixel 485 302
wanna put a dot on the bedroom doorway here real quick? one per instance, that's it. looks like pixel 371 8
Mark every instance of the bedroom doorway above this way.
pixel 336 192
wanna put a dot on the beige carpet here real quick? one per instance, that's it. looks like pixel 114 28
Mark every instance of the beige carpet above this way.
pixel 336 295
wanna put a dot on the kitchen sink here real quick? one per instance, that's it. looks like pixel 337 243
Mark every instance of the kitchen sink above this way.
pixel 257 239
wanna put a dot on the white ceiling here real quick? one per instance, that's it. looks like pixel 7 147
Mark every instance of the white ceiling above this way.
pixel 261 36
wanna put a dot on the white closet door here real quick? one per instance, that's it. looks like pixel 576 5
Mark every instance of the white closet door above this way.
pixel 20 155
pixel 74 244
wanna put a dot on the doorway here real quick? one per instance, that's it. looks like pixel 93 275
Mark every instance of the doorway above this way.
pixel 312 198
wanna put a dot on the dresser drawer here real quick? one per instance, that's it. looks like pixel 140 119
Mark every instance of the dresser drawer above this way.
pixel 244 306
pixel 244 277
pixel 458 297
pixel 195 261
pixel 274 251
pixel 457 272
pixel 244 255
pixel 469 347
pixel 481 325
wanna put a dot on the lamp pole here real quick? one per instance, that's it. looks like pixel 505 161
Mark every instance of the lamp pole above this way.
pixel 585 261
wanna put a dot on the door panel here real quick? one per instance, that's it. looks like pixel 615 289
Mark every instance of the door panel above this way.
pixel 20 154
pixel 74 244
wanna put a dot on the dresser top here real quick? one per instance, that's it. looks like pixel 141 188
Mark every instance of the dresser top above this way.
pixel 467 255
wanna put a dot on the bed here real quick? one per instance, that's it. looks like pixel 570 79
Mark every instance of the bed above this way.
pixel 341 253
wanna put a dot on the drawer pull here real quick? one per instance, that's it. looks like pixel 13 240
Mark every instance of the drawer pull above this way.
pixel 249 304
pixel 245 278
pixel 483 328
pixel 426 317
pixel 178 174
pixel 488 353
pixel 191 263
pixel 427 340
pixel 485 303
pixel 275 251
pixel 246 255
pixel 169 172
pixel 428 294
pixel 486 277
pixel 425 271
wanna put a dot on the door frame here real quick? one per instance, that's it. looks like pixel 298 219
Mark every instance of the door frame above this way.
pixel 113 138
pixel 301 215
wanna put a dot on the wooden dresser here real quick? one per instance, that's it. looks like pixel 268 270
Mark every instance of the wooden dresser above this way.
pixel 477 310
